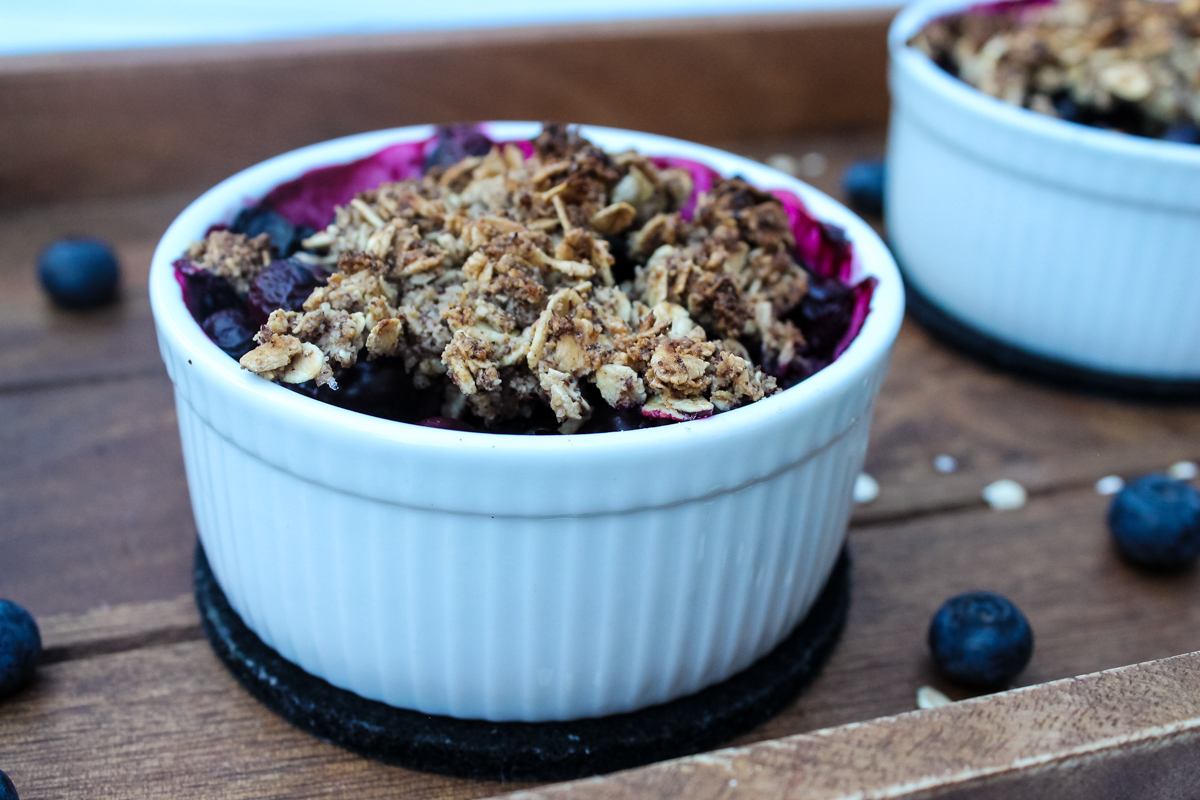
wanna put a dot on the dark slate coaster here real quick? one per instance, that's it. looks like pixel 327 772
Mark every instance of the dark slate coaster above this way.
pixel 948 328
pixel 527 751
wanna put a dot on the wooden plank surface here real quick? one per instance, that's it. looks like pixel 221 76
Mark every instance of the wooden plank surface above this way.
pixel 173 706
pixel 86 404
pixel 105 124
pixel 97 536
pixel 1130 732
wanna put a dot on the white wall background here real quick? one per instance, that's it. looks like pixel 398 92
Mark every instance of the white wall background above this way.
pixel 44 26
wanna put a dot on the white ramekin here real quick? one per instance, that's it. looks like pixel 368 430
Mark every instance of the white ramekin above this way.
pixel 1073 243
pixel 517 577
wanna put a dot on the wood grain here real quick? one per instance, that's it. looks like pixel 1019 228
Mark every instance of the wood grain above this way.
pixel 114 629
pixel 1129 732
pixel 92 480
pixel 92 496
pixel 171 722
pixel 104 124
pixel 175 702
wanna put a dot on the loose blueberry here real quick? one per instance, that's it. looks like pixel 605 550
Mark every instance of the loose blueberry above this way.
pixel 1155 521
pixel 285 238
pixel 980 639
pixel 231 330
pixel 79 273
pixel 20 646
pixel 285 284
pixel 7 790
pixel 863 183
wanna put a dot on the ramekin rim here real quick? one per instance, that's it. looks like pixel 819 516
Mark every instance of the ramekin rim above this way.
pixel 922 68
pixel 875 338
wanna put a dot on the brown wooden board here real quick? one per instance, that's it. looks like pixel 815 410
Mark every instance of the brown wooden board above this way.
pixel 1130 732
pixel 96 538
pixel 165 718
pixel 101 124
pixel 86 406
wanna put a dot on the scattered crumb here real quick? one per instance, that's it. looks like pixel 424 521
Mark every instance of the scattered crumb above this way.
pixel 812 165
pixel 733 783
pixel 929 697
pixel 1004 495
pixel 784 163
pixel 945 463
pixel 1184 470
pixel 1110 484
pixel 866 488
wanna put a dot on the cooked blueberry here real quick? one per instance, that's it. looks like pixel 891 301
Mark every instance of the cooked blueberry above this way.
pixel 20 646
pixel 980 640
pixel 1155 521
pixel 231 331
pixel 285 238
pixel 7 790
pixel 203 292
pixel 79 273
pixel 863 183
pixel 447 423
pixel 285 284
pixel 456 142
pixel 1183 132
pixel 1066 107
pixel 823 316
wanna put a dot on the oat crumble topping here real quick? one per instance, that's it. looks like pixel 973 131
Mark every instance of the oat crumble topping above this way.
pixel 493 281
pixel 1131 65
pixel 233 256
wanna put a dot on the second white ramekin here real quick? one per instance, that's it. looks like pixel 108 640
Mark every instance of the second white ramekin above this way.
pixel 1072 243
pixel 517 577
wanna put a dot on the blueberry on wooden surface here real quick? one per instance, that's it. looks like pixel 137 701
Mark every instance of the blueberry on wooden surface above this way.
pixel 7 790
pixel 863 183
pixel 79 273
pixel 1155 521
pixel 285 237
pixel 20 646
pixel 980 639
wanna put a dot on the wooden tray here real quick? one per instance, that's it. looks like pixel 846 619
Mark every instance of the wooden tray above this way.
pixel 97 534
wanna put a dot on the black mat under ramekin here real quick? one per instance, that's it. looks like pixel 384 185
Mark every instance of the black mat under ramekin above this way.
pixel 948 328
pixel 535 751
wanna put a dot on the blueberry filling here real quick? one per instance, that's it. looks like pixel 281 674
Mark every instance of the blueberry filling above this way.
pixel 231 330
pixel 285 237
pixel 284 284
pixel 828 316
pixel 1127 67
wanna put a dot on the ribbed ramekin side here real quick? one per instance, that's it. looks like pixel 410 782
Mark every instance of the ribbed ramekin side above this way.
pixel 511 618
pixel 1084 278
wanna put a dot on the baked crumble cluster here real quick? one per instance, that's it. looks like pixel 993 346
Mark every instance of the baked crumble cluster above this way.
pixel 1127 65
pixel 558 276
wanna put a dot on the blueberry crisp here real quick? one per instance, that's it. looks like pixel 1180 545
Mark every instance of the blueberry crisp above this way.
pixel 541 286
pixel 1125 65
